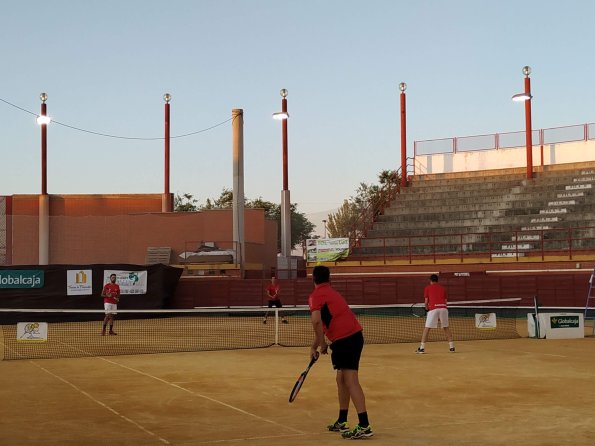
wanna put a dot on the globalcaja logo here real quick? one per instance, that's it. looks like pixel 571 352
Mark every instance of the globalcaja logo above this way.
pixel 20 278
pixel 564 321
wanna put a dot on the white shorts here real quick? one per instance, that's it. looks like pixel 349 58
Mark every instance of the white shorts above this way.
pixel 110 308
pixel 435 315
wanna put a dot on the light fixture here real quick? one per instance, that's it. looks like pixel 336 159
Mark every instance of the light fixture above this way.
pixel 167 97
pixel 43 120
pixel 403 86
pixel 284 93
pixel 280 116
pixel 521 97
pixel 526 70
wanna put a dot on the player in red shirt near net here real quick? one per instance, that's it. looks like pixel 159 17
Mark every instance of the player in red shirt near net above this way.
pixel 274 300
pixel 437 308
pixel 111 297
pixel 331 316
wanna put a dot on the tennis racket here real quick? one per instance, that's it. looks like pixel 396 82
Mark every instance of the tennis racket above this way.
pixel 301 379
pixel 419 310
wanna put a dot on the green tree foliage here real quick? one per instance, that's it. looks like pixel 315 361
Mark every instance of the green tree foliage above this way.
pixel 301 227
pixel 185 203
pixel 360 210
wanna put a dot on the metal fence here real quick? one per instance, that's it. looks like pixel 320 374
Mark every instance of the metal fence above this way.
pixel 495 141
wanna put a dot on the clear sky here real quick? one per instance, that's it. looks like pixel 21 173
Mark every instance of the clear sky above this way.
pixel 105 66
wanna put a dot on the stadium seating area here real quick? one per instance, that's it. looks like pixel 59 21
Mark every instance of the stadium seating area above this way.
pixel 492 213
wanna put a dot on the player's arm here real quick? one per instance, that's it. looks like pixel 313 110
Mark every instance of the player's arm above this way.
pixel 104 292
pixel 318 334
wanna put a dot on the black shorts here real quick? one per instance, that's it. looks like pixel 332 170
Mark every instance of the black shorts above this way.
pixel 275 303
pixel 347 351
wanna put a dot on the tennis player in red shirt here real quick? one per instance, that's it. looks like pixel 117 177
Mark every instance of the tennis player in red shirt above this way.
pixel 436 305
pixel 331 316
pixel 111 297
pixel 274 300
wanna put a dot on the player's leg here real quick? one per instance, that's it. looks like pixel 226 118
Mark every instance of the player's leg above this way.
pixel 111 325
pixel 105 319
pixel 446 327
pixel 283 317
pixel 266 314
pixel 431 322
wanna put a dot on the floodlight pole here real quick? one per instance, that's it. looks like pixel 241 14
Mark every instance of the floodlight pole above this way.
pixel 166 201
pixel 528 129
pixel 285 195
pixel 403 87
pixel 44 198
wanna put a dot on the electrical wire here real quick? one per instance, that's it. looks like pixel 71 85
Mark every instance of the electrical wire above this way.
pixel 107 135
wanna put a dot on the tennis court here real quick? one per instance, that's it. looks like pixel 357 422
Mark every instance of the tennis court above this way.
pixel 495 392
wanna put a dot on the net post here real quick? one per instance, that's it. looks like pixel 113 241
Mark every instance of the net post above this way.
pixel 276 326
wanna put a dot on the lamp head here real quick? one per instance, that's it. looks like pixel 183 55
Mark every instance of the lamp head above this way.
pixel 526 70
pixel 284 93
pixel 43 97
pixel 167 98
pixel 403 87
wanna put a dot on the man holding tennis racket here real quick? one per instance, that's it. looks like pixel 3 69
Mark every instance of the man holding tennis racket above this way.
pixel 331 316
pixel 274 300
pixel 436 305
pixel 111 297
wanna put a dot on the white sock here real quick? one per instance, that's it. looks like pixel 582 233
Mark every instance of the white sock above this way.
pixel 451 344
pixel 422 345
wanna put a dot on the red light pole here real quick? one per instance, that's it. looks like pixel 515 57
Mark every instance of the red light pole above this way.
pixel 285 199
pixel 166 202
pixel 526 97
pixel 403 87
pixel 44 199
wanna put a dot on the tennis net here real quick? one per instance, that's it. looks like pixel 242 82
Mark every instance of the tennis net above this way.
pixel 49 333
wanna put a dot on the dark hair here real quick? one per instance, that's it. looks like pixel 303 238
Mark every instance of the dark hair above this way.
pixel 434 277
pixel 321 274
pixel 112 274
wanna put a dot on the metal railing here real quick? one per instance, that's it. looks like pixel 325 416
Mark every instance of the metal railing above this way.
pixel 507 140
pixel 514 245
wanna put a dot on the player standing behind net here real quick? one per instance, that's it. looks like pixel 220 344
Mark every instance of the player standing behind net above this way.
pixel 331 316
pixel 111 297
pixel 274 300
pixel 436 305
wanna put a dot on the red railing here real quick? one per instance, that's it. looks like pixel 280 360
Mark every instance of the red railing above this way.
pixel 515 245
pixel 495 141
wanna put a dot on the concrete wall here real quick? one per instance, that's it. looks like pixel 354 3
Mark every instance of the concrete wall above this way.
pixel 107 230
pixel 570 152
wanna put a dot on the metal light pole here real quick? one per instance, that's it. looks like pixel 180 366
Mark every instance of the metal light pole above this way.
pixel 403 87
pixel 526 97
pixel 44 199
pixel 166 201
pixel 285 199
pixel 324 223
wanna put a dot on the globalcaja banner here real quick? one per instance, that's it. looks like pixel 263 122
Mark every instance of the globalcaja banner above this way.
pixel 21 278
pixel 131 282
pixel 564 321
pixel 326 249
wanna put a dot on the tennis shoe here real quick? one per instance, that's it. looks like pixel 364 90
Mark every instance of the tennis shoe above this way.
pixel 358 432
pixel 451 349
pixel 338 427
pixel 113 333
pixel 264 322
pixel 285 321
pixel 420 351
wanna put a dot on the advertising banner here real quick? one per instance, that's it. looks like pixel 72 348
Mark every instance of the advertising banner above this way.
pixel 79 282
pixel 326 249
pixel 21 278
pixel 32 331
pixel 131 282
pixel 485 321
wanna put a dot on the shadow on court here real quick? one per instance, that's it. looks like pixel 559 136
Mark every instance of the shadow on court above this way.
pixel 500 392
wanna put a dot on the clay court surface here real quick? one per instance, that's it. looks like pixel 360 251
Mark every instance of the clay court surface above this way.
pixel 496 392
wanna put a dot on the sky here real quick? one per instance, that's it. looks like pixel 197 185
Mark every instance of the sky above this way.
pixel 106 65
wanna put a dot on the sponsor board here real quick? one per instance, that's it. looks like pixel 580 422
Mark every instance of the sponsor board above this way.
pixel 32 331
pixel 131 282
pixel 566 321
pixel 326 249
pixel 79 282
pixel 485 321
pixel 21 278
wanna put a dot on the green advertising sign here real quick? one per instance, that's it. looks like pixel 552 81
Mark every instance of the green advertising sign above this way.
pixel 564 321
pixel 21 278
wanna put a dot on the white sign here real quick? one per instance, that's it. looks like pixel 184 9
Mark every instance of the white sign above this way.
pixel 79 282
pixel 32 331
pixel 131 282
pixel 485 321
pixel 326 249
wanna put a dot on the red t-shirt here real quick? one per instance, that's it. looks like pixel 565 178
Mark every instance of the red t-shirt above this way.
pixel 436 295
pixel 273 291
pixel 338 321
pixel 114 290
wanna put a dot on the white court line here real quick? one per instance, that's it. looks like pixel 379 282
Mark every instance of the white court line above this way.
pixel 95 400
pixel 204 396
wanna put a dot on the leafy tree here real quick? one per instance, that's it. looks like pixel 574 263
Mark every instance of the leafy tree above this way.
pixel 359 211
pixel 301 227
pixel 185 203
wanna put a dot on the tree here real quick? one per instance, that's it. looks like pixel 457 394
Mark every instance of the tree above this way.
pixel 359 211
pixel 301 227
pixel 185 203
